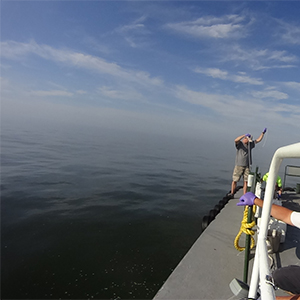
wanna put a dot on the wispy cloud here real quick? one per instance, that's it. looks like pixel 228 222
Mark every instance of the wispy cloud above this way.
pixel 258 59
pixel 81 92
pixel 289 33
pixel 227 105
pixel 224 75
pixel 119 94
pixel 53 93
pixel 271 93
pixel 135 33
pixel 215 102
pixel 96 45
pixel 17 51
pixel 293 85
pixel 229 26
pixel 213 72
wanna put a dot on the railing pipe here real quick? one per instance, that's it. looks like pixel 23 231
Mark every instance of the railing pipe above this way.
pixel 261 265
pixel 266 290
pixel 254 277
pixel 251 187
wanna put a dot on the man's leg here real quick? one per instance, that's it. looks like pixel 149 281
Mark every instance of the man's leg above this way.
pixel 236 176
pixel 233 187
pixel 245 187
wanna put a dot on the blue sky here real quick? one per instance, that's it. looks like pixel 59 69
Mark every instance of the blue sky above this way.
pixel 204 69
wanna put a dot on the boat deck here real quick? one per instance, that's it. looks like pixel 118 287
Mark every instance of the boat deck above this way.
pixel 213 262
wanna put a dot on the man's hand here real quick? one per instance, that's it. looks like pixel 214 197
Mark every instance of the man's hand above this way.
pixel 247 199
pixel 264 131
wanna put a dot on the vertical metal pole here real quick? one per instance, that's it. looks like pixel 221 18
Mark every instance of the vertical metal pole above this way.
pixel 284 177
pixel 248 236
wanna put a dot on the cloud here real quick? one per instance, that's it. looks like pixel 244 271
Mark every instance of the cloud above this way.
pixel 273 94
pixel 17 51
pixel 81 92
pixel 94 44
pixel 258 59
pixel 293 85
pixel 211 27
pixel 289 33
pixel 135 33
pixel 213 72
pixel 132 27
pixel 230 106
pixel 246 79
pixel 281 56
pixel 52 93
pixel 224 75
pixel 275 67
pixel 216 103
pixel 112 93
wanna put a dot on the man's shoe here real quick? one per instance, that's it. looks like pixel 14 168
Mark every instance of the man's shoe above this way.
pixel 230 196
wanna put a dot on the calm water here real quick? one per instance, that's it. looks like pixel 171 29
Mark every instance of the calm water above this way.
pixel 96 214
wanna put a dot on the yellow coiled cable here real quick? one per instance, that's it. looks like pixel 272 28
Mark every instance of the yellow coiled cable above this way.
pixel 246 228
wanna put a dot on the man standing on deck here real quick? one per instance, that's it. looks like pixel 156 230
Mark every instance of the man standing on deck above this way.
pixel 244 145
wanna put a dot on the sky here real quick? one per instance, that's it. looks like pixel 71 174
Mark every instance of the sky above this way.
pixel 201 69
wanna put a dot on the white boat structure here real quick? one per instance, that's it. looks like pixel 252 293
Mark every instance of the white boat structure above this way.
pixel 214 269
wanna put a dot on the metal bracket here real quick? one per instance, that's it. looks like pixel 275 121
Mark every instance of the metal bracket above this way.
pixel 270 280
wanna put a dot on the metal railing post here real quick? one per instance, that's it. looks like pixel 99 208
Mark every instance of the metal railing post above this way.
pixel 248 236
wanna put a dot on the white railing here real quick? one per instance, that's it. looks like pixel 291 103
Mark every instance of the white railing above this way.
pixel 291 171
pixel 261 267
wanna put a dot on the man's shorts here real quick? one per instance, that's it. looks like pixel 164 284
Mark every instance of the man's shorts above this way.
pixel 238 172
pixel 288 279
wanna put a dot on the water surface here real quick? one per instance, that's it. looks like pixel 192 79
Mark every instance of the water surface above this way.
pixel 90 214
